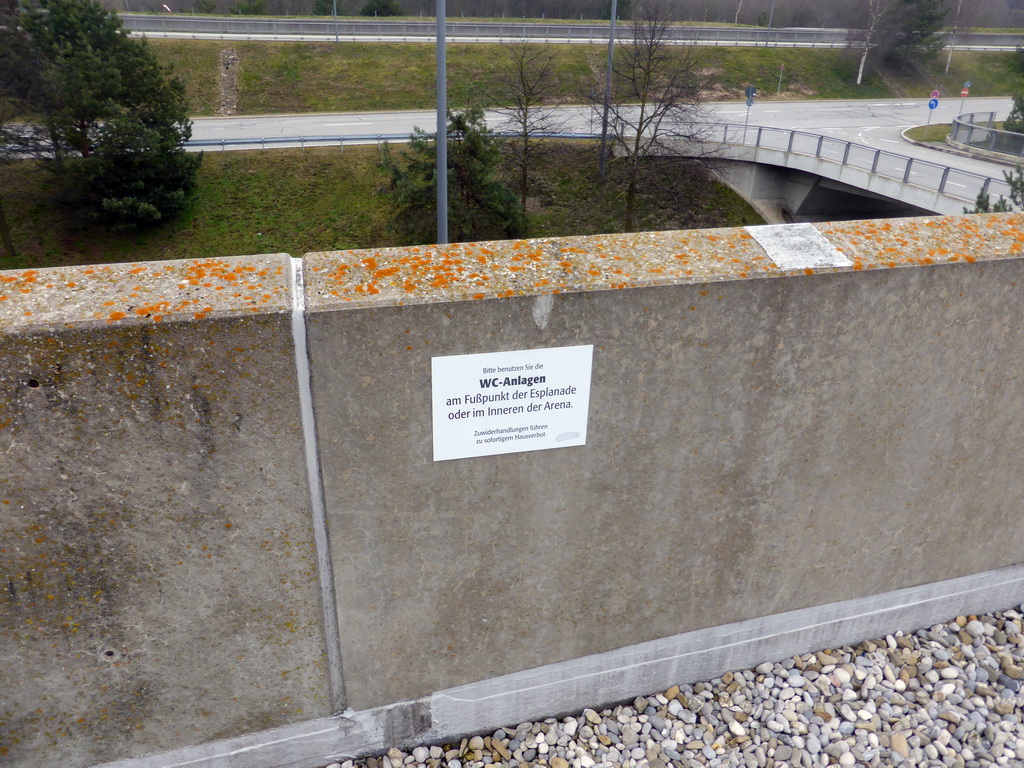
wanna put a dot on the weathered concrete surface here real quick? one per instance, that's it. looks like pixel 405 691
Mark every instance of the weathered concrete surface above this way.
pixel 158 583
pixel 755 445
pixel 783 194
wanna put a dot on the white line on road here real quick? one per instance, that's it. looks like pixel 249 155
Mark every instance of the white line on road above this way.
pixel 359 122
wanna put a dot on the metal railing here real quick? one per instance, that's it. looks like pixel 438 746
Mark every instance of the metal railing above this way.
pixel 976 130
pixel 923 174
pixel 347 29
pixel 355 29
pixel 337 140
pixel 959 185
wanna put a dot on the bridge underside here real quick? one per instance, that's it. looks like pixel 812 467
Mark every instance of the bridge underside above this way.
pixel 782 194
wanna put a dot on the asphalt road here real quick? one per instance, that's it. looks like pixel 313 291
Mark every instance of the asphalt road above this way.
pixel 871 123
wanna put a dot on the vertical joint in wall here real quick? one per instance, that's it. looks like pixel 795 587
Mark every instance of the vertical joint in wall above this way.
pixel 332 634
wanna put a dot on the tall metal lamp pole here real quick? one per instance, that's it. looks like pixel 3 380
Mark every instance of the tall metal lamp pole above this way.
pixel 602 163
pixel 442 128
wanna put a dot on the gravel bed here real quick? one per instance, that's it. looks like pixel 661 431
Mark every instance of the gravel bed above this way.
pixel 948 695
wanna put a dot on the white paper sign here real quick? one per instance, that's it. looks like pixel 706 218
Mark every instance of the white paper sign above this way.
pixel 509 402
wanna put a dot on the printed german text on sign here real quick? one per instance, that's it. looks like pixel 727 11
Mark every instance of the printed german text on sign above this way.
pixel 509 402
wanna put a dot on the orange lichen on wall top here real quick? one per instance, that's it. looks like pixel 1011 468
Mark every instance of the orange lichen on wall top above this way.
pixel 154 292
pixel 474 271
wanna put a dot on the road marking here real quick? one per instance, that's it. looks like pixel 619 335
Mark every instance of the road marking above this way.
pixel 332 125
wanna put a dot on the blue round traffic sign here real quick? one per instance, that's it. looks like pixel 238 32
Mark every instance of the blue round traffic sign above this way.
pixel 933 104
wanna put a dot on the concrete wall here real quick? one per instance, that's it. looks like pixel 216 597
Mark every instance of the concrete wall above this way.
pixel 158 575
pixel 765 438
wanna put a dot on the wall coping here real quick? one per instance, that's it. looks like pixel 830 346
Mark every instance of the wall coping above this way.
pixel 143 293
pixel 473 271
pixel 187 290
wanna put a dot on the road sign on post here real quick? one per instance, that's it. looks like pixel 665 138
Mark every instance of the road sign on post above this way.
pixel 964 92
pixel 751 92
pixel 933 103
pixel 935 94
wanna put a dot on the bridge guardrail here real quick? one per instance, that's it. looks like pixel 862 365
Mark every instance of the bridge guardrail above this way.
pixel 976 129
pixel 924 174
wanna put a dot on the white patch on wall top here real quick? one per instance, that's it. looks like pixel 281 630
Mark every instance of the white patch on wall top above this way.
pixel 510 402
pixel 797 246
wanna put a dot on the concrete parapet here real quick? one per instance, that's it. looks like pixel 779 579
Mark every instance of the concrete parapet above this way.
pixel 760 439
pixel 779 419
pixel 159 581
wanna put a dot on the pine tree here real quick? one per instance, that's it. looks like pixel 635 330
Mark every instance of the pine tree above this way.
pixel 1015 121
pixel 1015 181
pixel 113 122
pixel 382 8
pixel 480 207
pixel 916 29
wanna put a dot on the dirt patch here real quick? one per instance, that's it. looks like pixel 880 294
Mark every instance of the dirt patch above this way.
pixel 228 82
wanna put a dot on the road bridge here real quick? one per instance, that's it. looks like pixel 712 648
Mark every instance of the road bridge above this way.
pixel 802 176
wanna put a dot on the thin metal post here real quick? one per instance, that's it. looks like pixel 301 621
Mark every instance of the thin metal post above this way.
pixel 442 127
pixel 817 150
pixel 906 173
pixel 874 163
pixel 603 161
pixel 945 176
pixel 792 137
pixel 846 153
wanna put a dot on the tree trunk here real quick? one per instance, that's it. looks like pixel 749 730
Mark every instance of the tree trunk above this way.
pixel 860 70
pixel 630 201
pixel 5 234
pixel 524 172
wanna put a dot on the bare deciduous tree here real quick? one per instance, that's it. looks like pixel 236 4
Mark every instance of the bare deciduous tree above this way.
pixel 526 92
pixel 657 98
pixel 877 12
